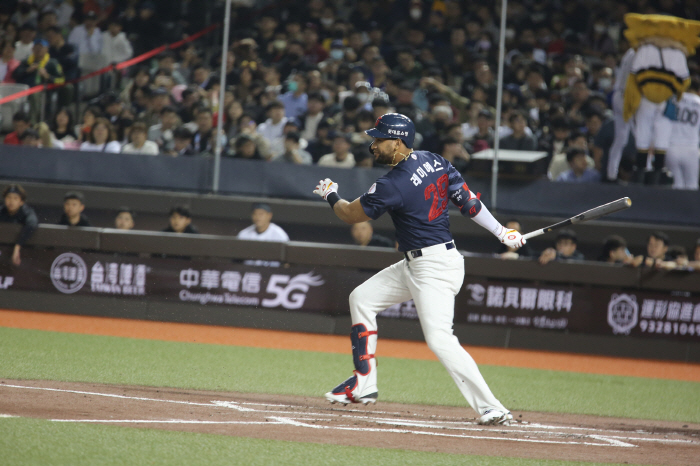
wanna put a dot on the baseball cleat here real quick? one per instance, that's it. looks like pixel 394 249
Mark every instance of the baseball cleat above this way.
pixel 494 417
pixel 348 392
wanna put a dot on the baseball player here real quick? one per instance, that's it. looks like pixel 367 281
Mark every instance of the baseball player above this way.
pixel 415 193
pixel 683 156
pixel 622 127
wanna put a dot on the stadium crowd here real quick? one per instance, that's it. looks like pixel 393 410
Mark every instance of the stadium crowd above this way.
pixel 304 79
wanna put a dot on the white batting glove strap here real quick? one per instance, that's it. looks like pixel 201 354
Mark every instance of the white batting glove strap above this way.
pixel 511 238
pixel 325 187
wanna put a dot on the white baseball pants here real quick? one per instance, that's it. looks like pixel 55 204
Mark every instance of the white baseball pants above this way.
pixel 622 135
pixel 433 281
pixel 684 163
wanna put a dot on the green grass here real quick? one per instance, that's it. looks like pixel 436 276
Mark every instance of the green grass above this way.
pixel 38 442
pixel 33 354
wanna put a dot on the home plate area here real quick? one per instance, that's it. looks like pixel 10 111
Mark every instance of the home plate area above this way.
pixel 384 425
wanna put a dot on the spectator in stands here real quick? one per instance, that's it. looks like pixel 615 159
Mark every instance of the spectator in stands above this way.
pixel 563 250
pixel 656 253
pixel 483 138
pixel 455 153
pixel 63 10
pixel 65 53
pixel 124 219
pixel 322 143
pixel 90 114
pixel 518 140
pixel 140 77
pixel 73 207
pixel 292 151
pixel 245 148
pixel 62 126
pixel 363 235
pixel 313 115
pixel 102 138
pixel 182 143
pixel 87 37
pixel 30 138
pixel 559 163
pixel 273 128
pixel 202 139
pixel 341 157
pixel 233 112
pixel 46 137
pixel 262 229
pixel 247 125
pixel 678 258
pixel 25 44
pixel 8 62
pixel 162 133
pixel 147 28
pixel 579 172
pixel 615 251
pixel 295 100
pixel 116 48
pixel 180 221
pixel 14 210
pixel 20 124
pixel 505 252
pixel 159 98
pixel 139 143
pixel 39 67
pixel 25 14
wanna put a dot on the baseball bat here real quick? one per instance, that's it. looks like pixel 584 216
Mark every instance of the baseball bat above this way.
pixel 596 212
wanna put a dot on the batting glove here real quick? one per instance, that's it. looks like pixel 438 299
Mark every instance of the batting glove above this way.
pixel 325 187
pixel 511 238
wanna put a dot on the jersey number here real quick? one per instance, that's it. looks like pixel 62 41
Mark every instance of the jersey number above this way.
pixel 439 194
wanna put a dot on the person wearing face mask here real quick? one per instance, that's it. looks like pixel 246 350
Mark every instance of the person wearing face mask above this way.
pixel 337 52
pixel 295 100
pixel 415 10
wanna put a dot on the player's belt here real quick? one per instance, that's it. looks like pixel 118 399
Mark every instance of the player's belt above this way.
pixel 416 253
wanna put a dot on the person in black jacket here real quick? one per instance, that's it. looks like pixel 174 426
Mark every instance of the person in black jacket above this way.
pixel 73 206
pixel 181 221
pixel 14 210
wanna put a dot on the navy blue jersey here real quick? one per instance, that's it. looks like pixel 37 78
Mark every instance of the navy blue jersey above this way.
pixel 416 194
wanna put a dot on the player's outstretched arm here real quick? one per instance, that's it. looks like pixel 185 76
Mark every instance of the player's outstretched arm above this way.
pixel 470 206
pixel 349 212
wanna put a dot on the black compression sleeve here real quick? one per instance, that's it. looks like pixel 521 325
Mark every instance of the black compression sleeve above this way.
pixel 332 198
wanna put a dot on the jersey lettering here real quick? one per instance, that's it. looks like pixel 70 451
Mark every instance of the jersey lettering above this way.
pixel 428 168
pixel 416 180
pixel 439 195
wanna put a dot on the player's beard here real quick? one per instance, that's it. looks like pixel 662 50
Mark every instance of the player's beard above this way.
pixel 385 159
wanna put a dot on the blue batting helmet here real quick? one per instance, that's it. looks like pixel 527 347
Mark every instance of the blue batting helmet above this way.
pixel 394 126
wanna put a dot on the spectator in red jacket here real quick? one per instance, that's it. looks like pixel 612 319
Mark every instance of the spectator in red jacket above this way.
pixel 8 62
pixel 20 123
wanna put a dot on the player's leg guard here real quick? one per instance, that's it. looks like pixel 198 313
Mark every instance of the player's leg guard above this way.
pixel 362 386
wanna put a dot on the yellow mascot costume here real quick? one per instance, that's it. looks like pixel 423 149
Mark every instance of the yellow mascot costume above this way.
pixel 658 77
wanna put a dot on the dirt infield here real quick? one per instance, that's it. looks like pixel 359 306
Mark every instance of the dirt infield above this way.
pixel 341 344
pixel 410 427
